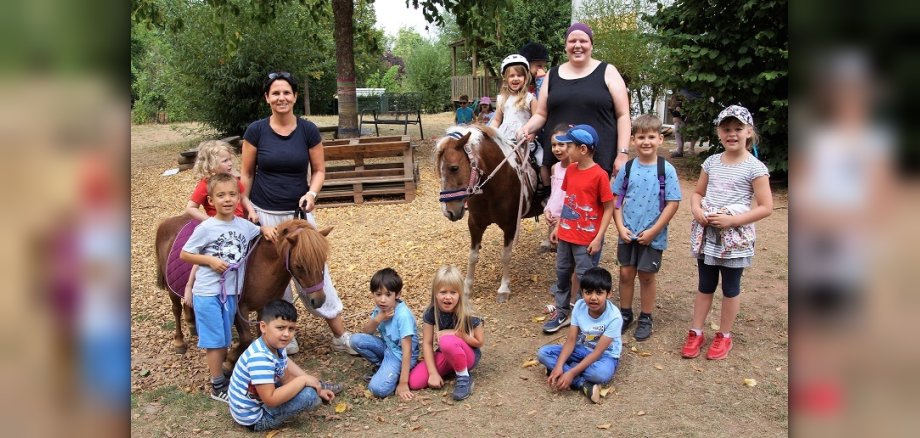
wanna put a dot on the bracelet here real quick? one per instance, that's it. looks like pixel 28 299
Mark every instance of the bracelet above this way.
pixel 624 151
pixel 312 193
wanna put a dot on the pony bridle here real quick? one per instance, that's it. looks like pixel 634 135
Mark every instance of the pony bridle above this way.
pixel 475 185
pixel 308 290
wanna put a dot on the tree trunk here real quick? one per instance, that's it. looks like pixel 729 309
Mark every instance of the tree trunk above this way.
pixel 343 11
pixel 306 97
pixel 639 99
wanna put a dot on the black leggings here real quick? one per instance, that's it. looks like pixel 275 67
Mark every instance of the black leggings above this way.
pixel 709 278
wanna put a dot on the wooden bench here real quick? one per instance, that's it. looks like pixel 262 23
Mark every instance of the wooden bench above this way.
pixel 392 109
pixel 369 170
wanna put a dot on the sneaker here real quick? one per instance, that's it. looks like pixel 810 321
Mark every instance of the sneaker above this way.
pixel 463 387
pixel 692 345
pixel 220 394
pixel 336 388
pixel 343 344
pixel 556 321
pixel 719 348
pixel 592 391
pixel 644 328
pixel 292 348
pixel 627 321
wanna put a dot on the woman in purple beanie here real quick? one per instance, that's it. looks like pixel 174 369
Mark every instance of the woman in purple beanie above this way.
pixel 584 90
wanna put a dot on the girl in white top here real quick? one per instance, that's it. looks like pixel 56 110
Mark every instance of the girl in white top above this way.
pixel 515 105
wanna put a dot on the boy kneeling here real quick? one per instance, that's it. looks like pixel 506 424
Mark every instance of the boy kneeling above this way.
pixel 266 387
pixel 591 351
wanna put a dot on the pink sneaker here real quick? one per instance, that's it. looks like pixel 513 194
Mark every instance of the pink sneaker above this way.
pixel 692 345
pixel 719 348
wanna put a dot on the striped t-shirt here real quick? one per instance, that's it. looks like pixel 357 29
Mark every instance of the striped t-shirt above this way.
pixel 729 184
pixel 257 366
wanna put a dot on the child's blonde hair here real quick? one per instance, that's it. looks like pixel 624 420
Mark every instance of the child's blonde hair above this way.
pixel 207 159
pixel 451 278
pixel 646 122
pixel 522 93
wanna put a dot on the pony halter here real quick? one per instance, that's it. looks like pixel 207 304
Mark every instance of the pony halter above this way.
pixel 475 185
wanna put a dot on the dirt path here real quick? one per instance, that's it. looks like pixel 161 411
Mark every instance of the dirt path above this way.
pixel 655 392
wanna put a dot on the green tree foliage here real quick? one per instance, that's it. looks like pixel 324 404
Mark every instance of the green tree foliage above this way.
pixel 428 73
pixel 389 80
pixel 407 39
pixel 732 52
pixel 623 39
pixel 149 85
pixel 522 21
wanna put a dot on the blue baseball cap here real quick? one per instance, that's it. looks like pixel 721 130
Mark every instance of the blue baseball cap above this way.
pixel 581 134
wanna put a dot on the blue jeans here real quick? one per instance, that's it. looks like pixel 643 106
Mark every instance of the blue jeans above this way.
pixel 375 350
pixel 272 418
pixel 570 257
pixel 600 372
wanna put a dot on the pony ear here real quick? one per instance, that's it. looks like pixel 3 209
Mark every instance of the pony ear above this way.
pixel 292 236
pixel 460 143
pixel 326 231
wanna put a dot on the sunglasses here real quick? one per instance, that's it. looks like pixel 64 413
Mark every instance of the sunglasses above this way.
pixel 279 74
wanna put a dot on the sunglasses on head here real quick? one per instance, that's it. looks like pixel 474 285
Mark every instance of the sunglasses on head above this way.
pixel 279 74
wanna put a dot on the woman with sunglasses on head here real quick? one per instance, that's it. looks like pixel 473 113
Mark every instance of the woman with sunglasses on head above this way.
pixel 278 152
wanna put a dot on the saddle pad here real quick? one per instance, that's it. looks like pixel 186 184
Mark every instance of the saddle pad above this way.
pixel 177 271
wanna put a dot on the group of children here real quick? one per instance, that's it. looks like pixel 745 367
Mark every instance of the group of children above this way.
pixel 266 387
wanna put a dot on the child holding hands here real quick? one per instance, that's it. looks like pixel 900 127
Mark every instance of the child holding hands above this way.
pixel 395 351
pixel 448 320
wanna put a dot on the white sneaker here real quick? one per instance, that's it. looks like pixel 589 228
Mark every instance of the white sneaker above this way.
pixel 292 348
pixel 343 344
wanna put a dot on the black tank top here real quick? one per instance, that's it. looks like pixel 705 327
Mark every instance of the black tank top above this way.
pixel 584 100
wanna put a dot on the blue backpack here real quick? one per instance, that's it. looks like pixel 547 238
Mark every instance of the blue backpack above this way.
pixel 629 163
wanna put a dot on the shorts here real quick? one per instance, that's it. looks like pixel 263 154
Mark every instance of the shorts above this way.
pixel 214 320
pixel 709 278
pixel 643 257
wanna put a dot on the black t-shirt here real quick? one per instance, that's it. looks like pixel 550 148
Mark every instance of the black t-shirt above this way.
pixel 281 164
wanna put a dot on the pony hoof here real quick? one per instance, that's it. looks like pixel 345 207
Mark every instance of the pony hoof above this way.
pixel 502 297
pixel 180 350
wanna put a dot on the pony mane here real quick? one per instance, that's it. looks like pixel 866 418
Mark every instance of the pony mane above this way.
pixel 309 248
pixel 477 132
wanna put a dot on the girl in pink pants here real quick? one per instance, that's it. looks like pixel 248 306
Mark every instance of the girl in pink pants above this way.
pixel 449 321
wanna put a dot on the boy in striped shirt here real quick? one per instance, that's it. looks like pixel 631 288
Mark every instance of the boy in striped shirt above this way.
pixel 266 387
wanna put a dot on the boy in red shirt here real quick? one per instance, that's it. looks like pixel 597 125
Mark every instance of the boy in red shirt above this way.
pixel 586 213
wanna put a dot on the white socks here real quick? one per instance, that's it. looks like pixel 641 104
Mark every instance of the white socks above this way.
pixel 463 373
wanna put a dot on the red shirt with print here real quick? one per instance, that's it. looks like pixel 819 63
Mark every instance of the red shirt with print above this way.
pixel 586 191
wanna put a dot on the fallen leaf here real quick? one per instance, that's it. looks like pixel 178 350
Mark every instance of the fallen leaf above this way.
pixel 750 382
pixel 532 412
pixel 633 349
pixel 645 354
pixel 539 318
pixel 534 278
pixel 145 373
pixel 658 366
pixel 605 390
pixel 380 419
pixel 415 427
pixel 640 413
pixel 779 368
pixel 368 394
pixel 523 377
pixel 713 325
pixel 604 426
pixel 272 433
pixel 530 363
pixel 196 430
pixel 341 407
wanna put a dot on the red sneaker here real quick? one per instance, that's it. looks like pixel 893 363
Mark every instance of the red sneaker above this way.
pixel 719 348
pixel 692 345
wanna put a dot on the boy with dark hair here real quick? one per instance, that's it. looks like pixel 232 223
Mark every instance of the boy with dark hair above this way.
pixel 586 211
pixel 648 193
pixel 219 245
pixel 464 114
pixel 266 387
pixel 395 351
pixel 591 351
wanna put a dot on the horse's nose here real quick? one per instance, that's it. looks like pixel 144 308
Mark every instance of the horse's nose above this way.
pixel 316 303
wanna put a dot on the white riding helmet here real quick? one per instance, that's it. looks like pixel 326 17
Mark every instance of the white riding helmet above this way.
pixel 514 59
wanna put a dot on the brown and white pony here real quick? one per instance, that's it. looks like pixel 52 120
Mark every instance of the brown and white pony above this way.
pixel 482 172
pixel 299 250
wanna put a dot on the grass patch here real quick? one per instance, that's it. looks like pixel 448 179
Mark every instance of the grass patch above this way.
pixel 168 325
pixel 141 317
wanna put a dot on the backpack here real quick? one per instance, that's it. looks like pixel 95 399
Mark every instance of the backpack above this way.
pixel 629 163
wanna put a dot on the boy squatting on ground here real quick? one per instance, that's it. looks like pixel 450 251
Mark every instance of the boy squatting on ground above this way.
pixel 642 213
pixel 218 245
pixel 395 351
pixel 266 387
pixel 586 212
pixel 591 351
